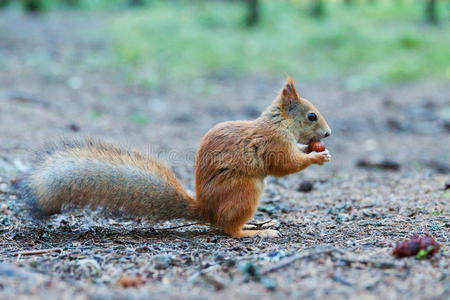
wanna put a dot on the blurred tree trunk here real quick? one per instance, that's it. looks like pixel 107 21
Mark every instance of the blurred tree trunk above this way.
pixel 136 2
pixel 32 6
pixel 253 13
pixel 431 11
pixel 318 8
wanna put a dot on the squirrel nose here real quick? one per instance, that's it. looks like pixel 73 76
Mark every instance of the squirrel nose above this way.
pixel 327 134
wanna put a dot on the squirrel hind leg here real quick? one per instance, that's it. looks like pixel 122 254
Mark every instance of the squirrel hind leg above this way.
pixel 235 227
pixel 238 209
pixel 234 223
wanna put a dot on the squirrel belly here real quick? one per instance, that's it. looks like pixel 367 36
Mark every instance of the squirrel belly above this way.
pixel 96 174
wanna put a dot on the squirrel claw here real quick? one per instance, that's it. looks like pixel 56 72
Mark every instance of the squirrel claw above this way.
pixel 327 155
pixel 249 227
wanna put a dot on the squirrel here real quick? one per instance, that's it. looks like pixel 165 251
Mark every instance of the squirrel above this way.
pixel 230 166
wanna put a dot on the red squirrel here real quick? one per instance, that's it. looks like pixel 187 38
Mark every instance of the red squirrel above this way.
pixel 230 166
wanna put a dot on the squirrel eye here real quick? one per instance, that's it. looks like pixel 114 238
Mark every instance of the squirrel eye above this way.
pixel 312 117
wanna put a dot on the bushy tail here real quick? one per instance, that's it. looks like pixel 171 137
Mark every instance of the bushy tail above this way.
pixel 96 174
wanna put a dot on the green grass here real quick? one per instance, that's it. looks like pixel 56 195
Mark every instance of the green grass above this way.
pixel 367 44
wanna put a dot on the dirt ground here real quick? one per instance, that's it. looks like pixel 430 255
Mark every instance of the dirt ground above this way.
pixel 336 240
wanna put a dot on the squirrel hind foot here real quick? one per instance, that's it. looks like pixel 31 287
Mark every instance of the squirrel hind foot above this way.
pixel 264 233
pixel 269 233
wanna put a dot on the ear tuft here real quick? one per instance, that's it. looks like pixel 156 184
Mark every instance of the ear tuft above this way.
pixel 289 90
pixel 289 96
pixel 289 93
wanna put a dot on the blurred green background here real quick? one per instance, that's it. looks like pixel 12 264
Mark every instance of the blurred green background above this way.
pixel 364 42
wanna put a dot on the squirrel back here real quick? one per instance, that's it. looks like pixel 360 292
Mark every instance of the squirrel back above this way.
pixel 96 174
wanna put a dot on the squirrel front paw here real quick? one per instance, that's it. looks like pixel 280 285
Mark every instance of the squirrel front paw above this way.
pixel 321 157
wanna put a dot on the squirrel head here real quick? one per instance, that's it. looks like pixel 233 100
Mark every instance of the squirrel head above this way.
pixel 300 116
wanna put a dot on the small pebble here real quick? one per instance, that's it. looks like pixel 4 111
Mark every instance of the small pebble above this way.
pixel 305 187
pixel 74 127
pixel 130 281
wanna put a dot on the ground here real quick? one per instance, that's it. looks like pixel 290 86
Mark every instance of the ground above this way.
pixel 336 240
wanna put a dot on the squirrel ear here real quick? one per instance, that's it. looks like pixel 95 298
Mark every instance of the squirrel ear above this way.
pixel 289 96
pixel 289 88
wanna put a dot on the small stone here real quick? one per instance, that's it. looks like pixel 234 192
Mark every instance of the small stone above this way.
pixel 438 166
pixel 183 118
pixel 388 164
pixel 306 186
pixel 4 209
pixel 14 181
pixel 447 126
pixel 162 262
pixel 131 281
pixel 267 208
pixel 73 127
pixel 395 125
pixel 268 283
pixel 388 102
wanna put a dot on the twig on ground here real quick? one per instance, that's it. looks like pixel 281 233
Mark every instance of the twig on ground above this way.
pixel 372 263
pixel 217 284
pixel 7 192
pixel 378 264
pixel 290 260
pixel 25 97
pixel 341 280
pixel 260 224
pixel 181 226
pixel 37 252
pixel 181 238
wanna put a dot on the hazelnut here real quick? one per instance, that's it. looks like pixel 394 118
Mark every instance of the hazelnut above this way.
pixel 317 146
